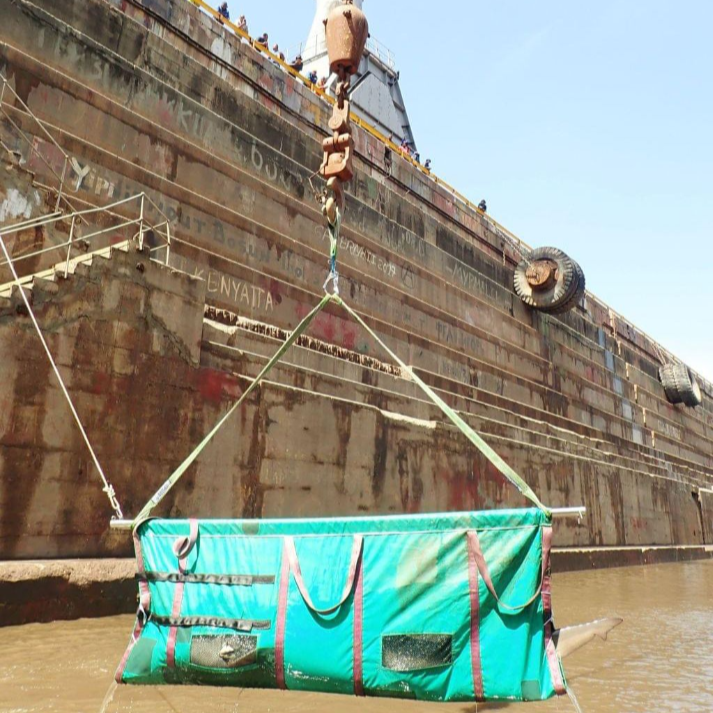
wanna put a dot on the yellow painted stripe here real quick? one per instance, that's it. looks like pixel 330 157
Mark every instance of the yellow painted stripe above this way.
pixel 358 121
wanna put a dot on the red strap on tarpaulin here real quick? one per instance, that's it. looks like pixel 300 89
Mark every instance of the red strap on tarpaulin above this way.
pixel 358 664
pixel 477 567
pixel 281 620
pixel 550 650
pixel 355 582
pixel 475 660
pixel 182 549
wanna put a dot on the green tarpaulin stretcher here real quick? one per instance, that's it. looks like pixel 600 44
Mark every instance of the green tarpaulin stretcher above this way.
pixel 452 607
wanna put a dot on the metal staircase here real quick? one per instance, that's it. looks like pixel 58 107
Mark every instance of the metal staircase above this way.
pixel 62 269
pixel 104 224
pixel 69 237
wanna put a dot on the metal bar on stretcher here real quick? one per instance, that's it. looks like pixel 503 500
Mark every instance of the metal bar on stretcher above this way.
pixel 556 513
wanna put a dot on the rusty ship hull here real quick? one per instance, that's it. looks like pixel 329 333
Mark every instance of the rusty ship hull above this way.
pixel 155 97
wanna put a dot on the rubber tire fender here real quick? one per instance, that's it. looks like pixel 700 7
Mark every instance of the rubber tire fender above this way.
pixel 680 385
pixel 578 290
pixel 557 295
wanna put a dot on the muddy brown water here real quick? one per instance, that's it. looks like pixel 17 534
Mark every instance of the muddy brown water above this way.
pixel 660 659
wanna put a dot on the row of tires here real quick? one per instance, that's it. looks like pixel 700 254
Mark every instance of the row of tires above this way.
pixel 550 281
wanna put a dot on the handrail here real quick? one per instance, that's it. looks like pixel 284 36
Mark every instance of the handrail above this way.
pixel 52 217
pixel 77 215
pixel 520 244
pixel 6 85
pixel 67 159
pixel 162 228
pixel 381 52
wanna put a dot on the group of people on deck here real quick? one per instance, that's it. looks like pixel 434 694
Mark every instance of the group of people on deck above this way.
pixel 407 148
pixel 225 13
pixel 264 41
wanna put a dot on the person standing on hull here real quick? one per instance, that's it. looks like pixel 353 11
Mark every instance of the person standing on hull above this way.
pixel 223 11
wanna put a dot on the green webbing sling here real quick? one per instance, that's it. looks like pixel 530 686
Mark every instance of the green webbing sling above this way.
pixel 178 473
pixel 453 416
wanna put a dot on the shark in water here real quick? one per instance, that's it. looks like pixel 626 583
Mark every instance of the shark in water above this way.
pixel 572 638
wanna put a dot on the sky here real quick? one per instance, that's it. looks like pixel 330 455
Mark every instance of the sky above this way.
pixel 585 126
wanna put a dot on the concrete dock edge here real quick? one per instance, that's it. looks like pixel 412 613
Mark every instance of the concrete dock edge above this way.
pixel 51 590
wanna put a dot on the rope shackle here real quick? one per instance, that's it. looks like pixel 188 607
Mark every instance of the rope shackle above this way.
pixel 339 148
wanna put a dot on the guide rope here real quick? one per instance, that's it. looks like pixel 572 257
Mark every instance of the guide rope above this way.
pixel 108 487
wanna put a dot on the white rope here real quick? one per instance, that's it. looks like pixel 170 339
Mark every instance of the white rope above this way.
pixel 109 697
pixel 574 700
pixel 108 488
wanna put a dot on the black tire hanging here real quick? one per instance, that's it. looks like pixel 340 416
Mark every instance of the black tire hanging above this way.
pixel 548 280
pixel 578 289
pixel 680 385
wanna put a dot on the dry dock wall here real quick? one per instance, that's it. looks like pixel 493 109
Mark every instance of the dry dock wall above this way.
pixel 159 98
pixel 326 435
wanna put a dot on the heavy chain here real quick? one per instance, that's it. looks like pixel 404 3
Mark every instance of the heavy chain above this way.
pixel 337 169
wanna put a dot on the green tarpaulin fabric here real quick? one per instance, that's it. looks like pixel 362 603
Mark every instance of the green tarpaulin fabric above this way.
pixel 451 607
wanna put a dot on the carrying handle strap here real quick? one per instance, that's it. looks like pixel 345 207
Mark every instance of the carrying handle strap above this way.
pixel 183 546
pixel 452 415
pixel 477 554
pixel 291 554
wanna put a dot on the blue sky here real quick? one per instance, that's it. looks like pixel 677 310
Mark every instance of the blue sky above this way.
pixel 587 126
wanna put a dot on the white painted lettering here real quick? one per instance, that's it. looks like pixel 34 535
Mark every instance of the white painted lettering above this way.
pixel 81 172
pixel 256 158
pixel 183 116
